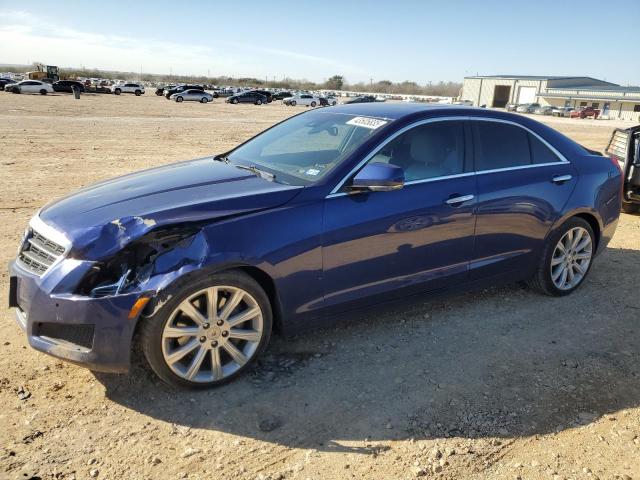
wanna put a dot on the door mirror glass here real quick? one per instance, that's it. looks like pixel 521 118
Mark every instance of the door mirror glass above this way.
pixel 378 177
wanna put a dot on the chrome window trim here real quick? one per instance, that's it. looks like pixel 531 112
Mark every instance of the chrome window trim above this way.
pixel 561 158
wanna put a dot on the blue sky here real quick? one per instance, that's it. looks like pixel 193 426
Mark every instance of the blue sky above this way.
pixel 403 40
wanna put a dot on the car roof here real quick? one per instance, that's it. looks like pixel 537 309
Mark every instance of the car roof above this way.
pixel 396 111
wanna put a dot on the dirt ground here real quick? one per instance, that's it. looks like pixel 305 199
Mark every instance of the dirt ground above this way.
pixel 502 383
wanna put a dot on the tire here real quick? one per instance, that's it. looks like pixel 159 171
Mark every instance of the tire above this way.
pixel 204 100
pixel 630 208
pixel 117 91
pixel 542 280
pixel 313 104
pixel 179 99
pixel 43 92
pixel 234 101
pixel 292 103
pixel 258 102
pixel 138 93
pixel 333 104
pixel 15 90
pixel 157 348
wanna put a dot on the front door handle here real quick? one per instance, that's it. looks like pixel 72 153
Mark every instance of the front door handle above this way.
pixel 460 199
pixel 561 178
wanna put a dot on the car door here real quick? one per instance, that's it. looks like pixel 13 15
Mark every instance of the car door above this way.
pixel 29 87
pixel 413 239
pixel 523 185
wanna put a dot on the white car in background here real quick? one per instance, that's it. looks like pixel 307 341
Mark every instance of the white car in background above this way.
pixel 192 95
pixel 304 99
pixel 134 88
pixel 31 86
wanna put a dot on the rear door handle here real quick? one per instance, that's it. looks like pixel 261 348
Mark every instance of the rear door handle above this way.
pixel 461 199
pixel 561 178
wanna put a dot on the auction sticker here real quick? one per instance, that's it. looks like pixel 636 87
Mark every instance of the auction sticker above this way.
pixel 367 122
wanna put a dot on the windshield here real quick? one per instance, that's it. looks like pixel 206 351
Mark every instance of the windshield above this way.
pixel 307 147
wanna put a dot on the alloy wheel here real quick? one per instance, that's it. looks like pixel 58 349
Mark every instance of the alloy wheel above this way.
pixel 571 258
pixel 212 334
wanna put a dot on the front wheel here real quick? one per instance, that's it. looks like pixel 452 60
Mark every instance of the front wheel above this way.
pixel 258 102
pixel 117 91
pixel 179 99
pixel 313 104
pixel 292 103
pixel 138 93
pixel 209 332
pixel 234 101
pixel 43 92
pixel 204 100
pixel 566 259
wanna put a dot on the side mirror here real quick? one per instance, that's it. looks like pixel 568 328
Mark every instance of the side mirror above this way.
pixel 378 177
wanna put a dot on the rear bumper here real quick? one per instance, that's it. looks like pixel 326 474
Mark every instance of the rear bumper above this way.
pixel 93 332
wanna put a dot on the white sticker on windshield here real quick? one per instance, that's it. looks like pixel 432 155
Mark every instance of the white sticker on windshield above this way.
pixel 312 171
pixel 367 122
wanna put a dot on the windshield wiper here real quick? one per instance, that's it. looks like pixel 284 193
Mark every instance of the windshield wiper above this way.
pixel 261 173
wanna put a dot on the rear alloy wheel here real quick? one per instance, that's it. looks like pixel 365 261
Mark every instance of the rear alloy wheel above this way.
pixel 138 93
pixel 204 100
pixel 566 259
pixel 179 99
pixel 43 92
pixel 292 103
pixel 209 332
pixel 313 104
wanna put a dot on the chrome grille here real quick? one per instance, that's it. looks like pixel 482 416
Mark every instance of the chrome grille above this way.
pixel 38 253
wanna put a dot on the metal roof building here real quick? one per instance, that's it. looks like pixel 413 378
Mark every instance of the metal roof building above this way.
pixel 613 100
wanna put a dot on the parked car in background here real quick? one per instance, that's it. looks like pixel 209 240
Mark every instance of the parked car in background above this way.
pixel 624 148
pixel 247 97
pixel 546 110
pixel 160 90
pixel 134 88
pixel 527 107
pixel 266 93
pixel 361 99
pixel 30 86
pixel 6 81
pixel 304 99
pixel 330 211
pixel 67 86
pixel 511 107
pixel 327 101
pixel 181 88
pixel 585 112
pixel 561 111
pixel 192 96
pixel 281 95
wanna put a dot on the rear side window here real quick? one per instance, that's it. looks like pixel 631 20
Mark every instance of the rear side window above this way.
pixel 500 145
pixel 540 153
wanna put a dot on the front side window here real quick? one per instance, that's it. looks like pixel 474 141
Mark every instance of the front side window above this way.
pixel 427 151
pixel 305 148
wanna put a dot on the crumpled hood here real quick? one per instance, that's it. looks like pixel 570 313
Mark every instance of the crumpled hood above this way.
pixel 100 219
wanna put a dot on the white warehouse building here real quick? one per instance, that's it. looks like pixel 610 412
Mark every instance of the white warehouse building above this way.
pixel 614 101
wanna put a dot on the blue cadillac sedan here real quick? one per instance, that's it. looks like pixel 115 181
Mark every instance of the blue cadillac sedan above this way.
pixel 324 213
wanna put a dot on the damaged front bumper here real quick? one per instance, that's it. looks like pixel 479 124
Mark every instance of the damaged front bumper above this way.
pixel 92 332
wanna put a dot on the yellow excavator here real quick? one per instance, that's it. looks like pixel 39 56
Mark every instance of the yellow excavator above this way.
pixel 44 72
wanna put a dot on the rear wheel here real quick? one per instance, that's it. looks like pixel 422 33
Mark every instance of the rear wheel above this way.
pixel 566 259
pixel 313 104
pixel 258 102
pixel 209 331
pixel 43 92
